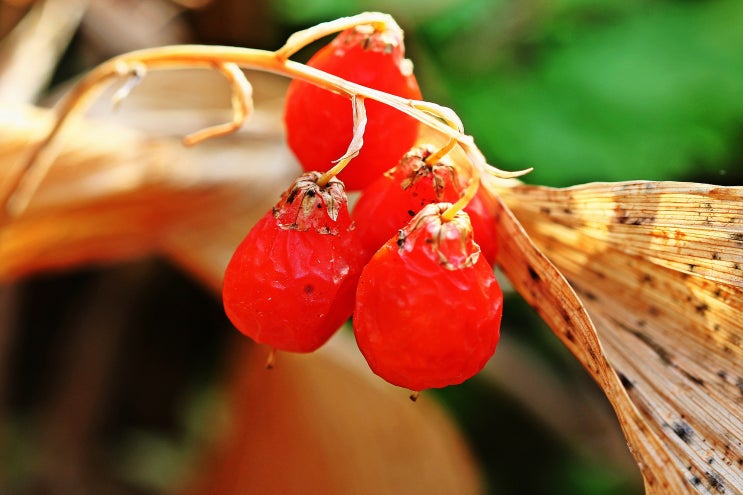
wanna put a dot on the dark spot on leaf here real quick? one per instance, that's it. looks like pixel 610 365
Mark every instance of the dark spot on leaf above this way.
pixel 565 316
pixel 683 430
pixel 311 193
pixel 693 378
pixel 626 382
pixel 590 296
pixel 715 481
pixel 739 384
pixel 629 220
pixel 544 210
pixel 569 335
pixel 722 374
pixel 292 195
pixel 710 460
pixel 737 237
pixel 695 480
pixel 662 353
pixel 715 256
pixel 592 354
pixel 646 278
pixel 319 206
pixel 308 289
pixel 701 308
pixel 411 213
pixel 692 267
pixel 534 275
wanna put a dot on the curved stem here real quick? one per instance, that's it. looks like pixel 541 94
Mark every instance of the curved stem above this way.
pixel 465 198
pixel 301 39
pixel 357 141
pixel 242 106
pixel 26 178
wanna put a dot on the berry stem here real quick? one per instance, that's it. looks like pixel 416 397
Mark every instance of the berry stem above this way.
pixel 375 20
pixel 357 141
pixel 436 157
pixel 242 106
pixel 465 198
pixel 27 176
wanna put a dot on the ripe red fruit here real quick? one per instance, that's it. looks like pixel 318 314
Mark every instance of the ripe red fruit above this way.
pixel 291 282
pixel 319 124
pixel 428 307
pixel 389 202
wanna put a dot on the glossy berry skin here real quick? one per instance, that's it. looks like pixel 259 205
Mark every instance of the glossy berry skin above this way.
pixel 389 202
pixel 291 282
pixel 319 124
pixel 428 307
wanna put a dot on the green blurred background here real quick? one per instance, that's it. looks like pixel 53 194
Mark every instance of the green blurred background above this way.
pixel 581 90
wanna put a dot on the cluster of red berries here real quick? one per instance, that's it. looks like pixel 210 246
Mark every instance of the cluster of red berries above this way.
pixel 425 303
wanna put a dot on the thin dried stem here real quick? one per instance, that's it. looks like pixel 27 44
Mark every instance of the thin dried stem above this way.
pixel 242 106
pixel 26 178
pixel 359 126
pixel 300 39
pixel 465 198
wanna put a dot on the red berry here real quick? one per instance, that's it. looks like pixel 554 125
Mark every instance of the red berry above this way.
pixel 389 202
pixel 291 282
pixel 428 307
pixel 319 124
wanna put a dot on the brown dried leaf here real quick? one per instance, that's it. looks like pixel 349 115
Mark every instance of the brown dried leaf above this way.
pixel 320 423
pixel 658 268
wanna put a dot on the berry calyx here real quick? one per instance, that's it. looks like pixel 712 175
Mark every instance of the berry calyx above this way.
pixel 319 123
pixel 291 282
pixel 428 306
pixel 389 202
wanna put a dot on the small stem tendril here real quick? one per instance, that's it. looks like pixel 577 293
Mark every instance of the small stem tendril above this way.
pixel 26 176
pixel 357 141
pixel 465 198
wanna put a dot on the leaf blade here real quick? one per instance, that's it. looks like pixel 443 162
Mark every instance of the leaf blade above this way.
pixel 672 333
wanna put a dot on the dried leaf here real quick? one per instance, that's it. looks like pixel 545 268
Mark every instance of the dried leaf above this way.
pixel 658 268
pixel 321 423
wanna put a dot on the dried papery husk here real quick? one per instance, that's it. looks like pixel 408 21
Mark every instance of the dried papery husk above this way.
pixel 658 315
